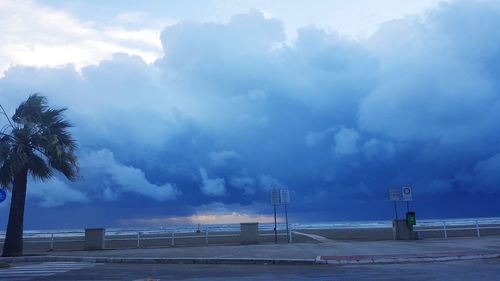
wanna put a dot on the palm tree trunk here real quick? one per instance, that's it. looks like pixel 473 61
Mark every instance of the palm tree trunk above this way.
pixel 13 245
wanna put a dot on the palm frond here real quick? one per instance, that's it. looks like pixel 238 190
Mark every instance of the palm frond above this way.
pixel 6 173
pixel 66 163
pixel 5 146
pixel 39 169
pixel 41 142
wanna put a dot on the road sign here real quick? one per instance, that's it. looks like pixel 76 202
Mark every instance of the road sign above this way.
pixel 3 195
pixel 274 196
pixel 406 192
pixel 394 194
pixel 284 196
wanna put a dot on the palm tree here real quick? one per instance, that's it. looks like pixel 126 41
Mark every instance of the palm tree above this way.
pixel 35 142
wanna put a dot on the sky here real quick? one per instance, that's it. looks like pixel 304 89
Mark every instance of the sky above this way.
pixel 189 112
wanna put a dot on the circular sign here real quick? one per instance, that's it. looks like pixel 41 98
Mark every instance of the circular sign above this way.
pixel 3 195
pixel 406 190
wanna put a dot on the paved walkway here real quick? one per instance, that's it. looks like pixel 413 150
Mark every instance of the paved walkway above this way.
pixel 339 252
pixel 315 237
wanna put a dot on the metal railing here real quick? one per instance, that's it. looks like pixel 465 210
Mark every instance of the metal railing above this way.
pixel 141 236
pixel 172 238
pixel 447 227
pixel 54 238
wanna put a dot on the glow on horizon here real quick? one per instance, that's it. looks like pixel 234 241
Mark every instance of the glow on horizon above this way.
pixel 203 218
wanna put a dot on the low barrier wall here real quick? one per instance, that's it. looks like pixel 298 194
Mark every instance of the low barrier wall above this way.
pixel 76 240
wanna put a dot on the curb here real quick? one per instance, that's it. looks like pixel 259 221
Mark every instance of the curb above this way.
pixel 398 260
pixel 261 261
pixel 256 261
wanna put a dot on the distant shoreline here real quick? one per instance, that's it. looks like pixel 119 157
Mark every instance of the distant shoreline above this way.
pixel 270 226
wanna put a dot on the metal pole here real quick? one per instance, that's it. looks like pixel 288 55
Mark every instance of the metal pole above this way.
pixel 286 219
pixel 275 231
pixel 206 236
pixel 52 241
pixel 396 209
pixel 477 229
pixel 138 239
pixel 445 232
pixel 408 206
pixel 173 239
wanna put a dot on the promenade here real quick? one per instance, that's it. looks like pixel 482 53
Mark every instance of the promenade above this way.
pixel 325 251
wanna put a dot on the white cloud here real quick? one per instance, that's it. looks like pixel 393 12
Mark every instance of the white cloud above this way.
pixel 213 213
pixel 55 193
pixel 212 187
pixel 378 149
pixel 268 182
pixel 314 138
pixel 486 175
pixel 247 184
pixel 217 212
pixel 122 178
pixel 36 35
pixel 40 35
pixel 355 18
pixel 202 219
pixel 346 142
pixel 257 95
pixel 221 158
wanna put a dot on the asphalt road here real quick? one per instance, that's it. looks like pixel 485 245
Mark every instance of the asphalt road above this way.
pixel 458 270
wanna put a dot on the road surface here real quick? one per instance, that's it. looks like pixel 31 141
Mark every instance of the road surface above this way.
pixel 487 269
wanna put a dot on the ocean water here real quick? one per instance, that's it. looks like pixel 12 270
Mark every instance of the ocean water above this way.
pixel 262 226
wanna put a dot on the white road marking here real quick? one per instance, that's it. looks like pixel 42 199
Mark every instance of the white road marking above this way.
pixel 28 272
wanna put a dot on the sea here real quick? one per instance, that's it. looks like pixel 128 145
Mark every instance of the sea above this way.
pixel 262 227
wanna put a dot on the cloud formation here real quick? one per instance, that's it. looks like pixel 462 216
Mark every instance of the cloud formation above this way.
pixel 232 110
pixel 56 193
pixel 113 178
pixel 34 34
pixel 211 187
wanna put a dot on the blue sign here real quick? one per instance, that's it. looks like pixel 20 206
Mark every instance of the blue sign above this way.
pixel 3 195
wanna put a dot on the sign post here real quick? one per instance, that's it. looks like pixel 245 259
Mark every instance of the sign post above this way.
pixel 394 196
pixel 280 197
pixel 407 196
pixel 3 195
pixel 274 197
pixel 285 200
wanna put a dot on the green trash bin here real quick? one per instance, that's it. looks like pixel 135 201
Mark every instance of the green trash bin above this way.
pixel 411 219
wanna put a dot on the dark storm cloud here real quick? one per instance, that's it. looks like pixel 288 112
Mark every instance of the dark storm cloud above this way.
pixel 232 110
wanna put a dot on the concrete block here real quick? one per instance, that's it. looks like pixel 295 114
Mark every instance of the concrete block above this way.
pixel 94 238
pixel 249 233
pixel 401 231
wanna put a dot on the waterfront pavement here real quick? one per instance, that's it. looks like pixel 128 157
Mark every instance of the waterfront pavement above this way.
pixel 40 270
pixel 325 252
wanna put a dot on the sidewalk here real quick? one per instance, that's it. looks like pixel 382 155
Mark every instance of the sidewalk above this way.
pixel 332 252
